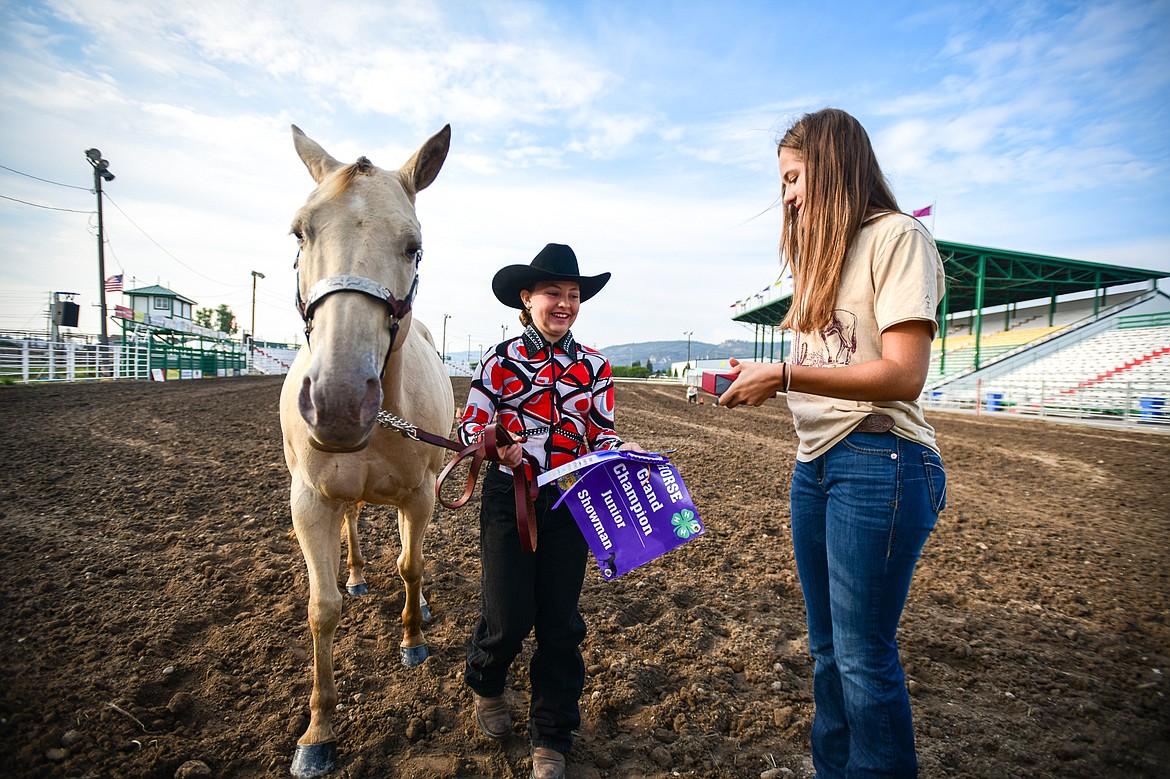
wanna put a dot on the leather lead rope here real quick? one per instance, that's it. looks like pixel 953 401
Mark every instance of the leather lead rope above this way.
pixel 488 449
pixel 524 490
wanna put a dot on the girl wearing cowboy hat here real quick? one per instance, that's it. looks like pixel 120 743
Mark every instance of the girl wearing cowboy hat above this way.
pixel 555 397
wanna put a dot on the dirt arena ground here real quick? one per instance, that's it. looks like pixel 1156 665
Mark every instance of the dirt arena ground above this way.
pixel 154 604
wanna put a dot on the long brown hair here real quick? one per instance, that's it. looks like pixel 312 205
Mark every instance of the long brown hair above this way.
pixel 843 187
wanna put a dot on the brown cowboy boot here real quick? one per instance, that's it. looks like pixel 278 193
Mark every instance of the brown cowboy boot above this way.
pixel 492 715
pixel 547 764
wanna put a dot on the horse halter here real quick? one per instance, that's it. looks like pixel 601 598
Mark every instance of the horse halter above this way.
pixel 332 284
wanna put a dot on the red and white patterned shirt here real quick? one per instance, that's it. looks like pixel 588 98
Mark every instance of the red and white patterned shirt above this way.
pixel 559 396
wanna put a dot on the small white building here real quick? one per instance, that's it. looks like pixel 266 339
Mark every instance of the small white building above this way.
pixel 692 372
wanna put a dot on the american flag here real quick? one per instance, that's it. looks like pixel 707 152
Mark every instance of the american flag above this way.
pixel 114 283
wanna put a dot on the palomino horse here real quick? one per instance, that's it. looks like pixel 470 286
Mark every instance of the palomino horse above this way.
pixel 360 246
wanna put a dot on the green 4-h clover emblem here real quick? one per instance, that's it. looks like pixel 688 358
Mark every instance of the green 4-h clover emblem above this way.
pixel 685 524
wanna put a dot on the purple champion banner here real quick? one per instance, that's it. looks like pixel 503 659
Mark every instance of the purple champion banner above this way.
pixel 632 507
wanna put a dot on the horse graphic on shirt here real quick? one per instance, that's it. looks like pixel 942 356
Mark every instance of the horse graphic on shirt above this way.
pixel 830 346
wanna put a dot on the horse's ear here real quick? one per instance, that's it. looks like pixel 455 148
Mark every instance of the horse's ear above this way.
pixel 316 159
pixel 421 169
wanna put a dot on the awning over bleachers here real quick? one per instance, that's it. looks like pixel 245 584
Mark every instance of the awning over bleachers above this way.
pixel 979 277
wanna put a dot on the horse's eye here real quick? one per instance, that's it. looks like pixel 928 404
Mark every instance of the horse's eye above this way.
pixel 418 253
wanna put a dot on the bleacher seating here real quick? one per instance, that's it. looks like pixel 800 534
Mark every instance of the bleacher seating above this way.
pixel 1102 372
pixel 272 360
pixel 960 354
pixel 456 368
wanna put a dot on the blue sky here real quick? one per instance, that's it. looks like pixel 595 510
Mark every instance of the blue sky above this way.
pixel 642 134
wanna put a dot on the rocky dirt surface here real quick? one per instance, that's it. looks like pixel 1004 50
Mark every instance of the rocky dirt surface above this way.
pixel 154 604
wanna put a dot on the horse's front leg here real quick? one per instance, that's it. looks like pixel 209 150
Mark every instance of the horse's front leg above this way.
pixel 317 522
pixel 413 517
pixel 356 585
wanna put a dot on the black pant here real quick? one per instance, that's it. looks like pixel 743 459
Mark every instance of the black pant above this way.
pixel 522 590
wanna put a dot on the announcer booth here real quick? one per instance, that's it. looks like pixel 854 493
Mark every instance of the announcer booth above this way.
pixel 161 341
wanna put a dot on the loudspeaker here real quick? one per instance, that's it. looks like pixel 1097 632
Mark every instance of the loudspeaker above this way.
pixel 65 313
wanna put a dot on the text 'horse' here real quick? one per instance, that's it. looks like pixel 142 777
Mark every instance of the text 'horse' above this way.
pixel 360 248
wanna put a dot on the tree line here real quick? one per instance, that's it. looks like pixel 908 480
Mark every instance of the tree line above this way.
pixel 634 371
pixel 223 318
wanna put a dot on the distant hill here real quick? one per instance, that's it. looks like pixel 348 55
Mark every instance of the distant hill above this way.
pixel 662 353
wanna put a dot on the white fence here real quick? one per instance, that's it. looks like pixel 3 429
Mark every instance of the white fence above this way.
pixel 30 360
pixel 1130 403
pixel 1134 403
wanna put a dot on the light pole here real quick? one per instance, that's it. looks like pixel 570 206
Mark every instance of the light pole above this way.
pixel 688 334
pixel 101 170
pixel 445 318
pixel 252 337
pixel 503 333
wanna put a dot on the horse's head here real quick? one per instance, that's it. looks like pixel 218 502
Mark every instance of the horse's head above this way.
pixel 360 246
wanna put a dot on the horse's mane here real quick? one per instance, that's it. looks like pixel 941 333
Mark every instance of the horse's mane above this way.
pixel 343 178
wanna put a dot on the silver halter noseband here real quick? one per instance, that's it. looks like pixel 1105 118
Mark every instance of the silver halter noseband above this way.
pixel 328 286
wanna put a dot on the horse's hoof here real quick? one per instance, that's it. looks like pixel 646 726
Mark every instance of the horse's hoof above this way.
pixel 357 590
pixel 427 616
pixel 414 655
pixel 314 760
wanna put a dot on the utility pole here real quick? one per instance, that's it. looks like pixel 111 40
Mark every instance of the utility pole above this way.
pixel 445 318
pixel 688 334
pixel 101 170
pixel 252 333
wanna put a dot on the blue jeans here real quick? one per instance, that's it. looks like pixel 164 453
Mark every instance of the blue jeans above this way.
pixel 861 514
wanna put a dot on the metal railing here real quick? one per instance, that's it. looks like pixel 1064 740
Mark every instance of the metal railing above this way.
pixel 32 360
pixel 1143 403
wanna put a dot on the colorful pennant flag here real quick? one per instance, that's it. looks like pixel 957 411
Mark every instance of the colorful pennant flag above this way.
pixel 923 211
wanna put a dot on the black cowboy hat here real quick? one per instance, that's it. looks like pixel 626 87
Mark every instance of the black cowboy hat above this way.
pixel 556 262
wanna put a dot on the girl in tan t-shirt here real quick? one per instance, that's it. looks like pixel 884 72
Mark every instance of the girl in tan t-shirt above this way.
pixel 868 483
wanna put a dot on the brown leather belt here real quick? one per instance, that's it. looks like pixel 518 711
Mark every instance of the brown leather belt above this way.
pixel 875 423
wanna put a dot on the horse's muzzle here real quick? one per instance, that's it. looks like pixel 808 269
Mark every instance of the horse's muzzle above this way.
pixel 340 415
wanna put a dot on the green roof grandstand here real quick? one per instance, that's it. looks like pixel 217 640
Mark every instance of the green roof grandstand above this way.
pixel 979 278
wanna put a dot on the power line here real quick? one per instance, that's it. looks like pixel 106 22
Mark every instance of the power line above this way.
pixel 47 208
pixel 159 245
pixel 110 246
pixel 47 181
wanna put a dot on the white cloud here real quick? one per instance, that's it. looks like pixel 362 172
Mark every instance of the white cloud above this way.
pixel 1032 132
pixel 1054 106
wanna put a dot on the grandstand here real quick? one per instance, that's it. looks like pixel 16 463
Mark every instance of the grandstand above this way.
pixel 958 358
pixel 456 368
pixel 1030 334
pixel 273 358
